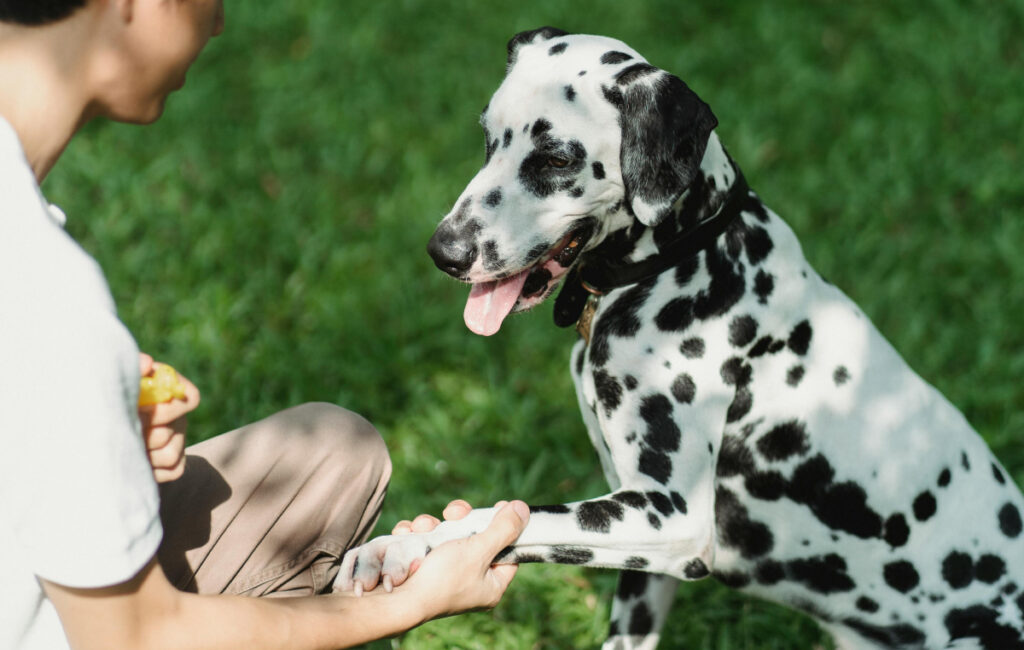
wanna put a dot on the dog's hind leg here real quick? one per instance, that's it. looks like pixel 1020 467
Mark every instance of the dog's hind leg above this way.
pixel 641 605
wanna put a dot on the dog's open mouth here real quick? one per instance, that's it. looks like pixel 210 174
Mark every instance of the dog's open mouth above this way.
pixel 490 302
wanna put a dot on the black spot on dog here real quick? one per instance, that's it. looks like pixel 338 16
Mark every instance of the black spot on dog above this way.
pixel 737 530
pixel 632 584
pixel 784 441
pixel 557 48
pixel 630 382
pixel 726 288
pixel 764 284
pixel 612 57
pixel 654 521
pixel 958 570
pixel 686 269
pixel 613 95
pixel 571 555
pixel 631 498
pixel 676 315
pixel 840 506
pixel 597 516
pixel 529 558
pixel 656 464
pixel 763 346
pixel 800 338
pixel 492 260
pixel 824 574
pixel 636 562
pixel 598 170
pixel 736 372
pixel 767 486
pixel 924 506
pixel 557 509
pixel 692 348
pixel 634 72
pixel 989 569
pixel 662 432
pixel 982 623
pixel 684 389
pixel 732 579
pixel 964 461
pixel 896 530
pixel 678 501
pixel 640 621
pixel 506 139
pixel 660 502
pixel 490 146
pixel 794 375
pixel 900 635
pixel 695 569
pixel 841 376
pixel 901 576
pixel 944 477
pixel 576 192
pixel 769 572
pixel 740 406
pixel 865 604
pixel 540 128
pixel 493 198
pixel 620 319
pixel 608 389
pixel 998 474
pixel 742 331
pixel 1009 520
pixel 734 458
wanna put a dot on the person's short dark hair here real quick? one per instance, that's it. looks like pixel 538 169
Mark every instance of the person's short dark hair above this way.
pixel 37 12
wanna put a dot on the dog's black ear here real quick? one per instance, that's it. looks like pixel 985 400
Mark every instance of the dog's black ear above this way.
pixel 665 130
pixel 525 38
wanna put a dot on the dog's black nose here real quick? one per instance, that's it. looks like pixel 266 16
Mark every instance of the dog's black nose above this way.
pixel 451 253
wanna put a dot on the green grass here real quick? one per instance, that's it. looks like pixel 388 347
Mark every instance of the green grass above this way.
pixel 267 237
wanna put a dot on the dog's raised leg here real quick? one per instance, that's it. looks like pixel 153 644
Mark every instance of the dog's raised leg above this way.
pixel 641 605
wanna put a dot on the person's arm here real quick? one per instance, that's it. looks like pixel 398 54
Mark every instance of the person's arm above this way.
pixel 148 613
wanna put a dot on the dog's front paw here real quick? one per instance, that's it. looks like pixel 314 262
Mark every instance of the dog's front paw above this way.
pixel 387 560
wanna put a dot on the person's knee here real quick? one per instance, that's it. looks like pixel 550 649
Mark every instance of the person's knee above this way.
pixel 342 434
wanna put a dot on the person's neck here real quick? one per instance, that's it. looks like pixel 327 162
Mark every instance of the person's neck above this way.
pixel 42 82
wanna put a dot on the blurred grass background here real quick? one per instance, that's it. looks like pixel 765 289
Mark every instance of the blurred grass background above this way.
pixel 267 237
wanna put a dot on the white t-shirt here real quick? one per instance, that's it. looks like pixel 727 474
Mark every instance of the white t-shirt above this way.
pixel 78 502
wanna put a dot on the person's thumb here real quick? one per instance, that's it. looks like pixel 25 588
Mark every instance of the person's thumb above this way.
pixel 505 528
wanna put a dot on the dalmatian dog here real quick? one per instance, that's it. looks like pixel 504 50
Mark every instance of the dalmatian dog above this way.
pixel 752 423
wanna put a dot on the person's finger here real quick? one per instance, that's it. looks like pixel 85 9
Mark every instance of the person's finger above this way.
pixel 145 364
pixel 169 455
pixel 403 527
pixel 457 509
pixel 503 574
pixel 506 526
pixel 424 523
pixel 158 437
pixel 172 474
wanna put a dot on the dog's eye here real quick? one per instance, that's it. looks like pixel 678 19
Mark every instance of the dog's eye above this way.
pixel 558 161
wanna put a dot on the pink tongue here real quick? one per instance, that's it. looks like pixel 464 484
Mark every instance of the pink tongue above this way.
pixel 490 302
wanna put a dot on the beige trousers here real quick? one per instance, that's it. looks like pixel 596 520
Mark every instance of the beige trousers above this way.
pixel 268 509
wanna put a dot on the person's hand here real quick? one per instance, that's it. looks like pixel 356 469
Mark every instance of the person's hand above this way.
pixel 425 523
pixel 458 576
pixel 163 427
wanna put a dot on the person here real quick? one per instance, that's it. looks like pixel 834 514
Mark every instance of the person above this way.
pixel 115 535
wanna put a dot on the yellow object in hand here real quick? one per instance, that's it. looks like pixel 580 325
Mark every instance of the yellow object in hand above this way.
pixel 163 386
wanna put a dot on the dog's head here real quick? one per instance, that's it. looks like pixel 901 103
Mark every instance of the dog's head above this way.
pixel 583 138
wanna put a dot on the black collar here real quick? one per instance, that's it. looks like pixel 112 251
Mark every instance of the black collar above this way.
pixel 599 276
